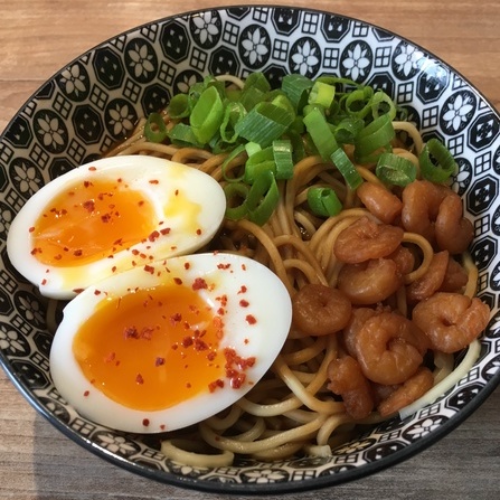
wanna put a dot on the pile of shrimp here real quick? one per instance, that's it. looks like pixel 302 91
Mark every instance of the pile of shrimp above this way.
pixel 389 312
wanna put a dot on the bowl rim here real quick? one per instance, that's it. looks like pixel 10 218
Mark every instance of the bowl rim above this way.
pixel 254 489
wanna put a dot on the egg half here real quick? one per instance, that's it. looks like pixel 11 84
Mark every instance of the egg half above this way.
pixel 162 347
pixel 109 216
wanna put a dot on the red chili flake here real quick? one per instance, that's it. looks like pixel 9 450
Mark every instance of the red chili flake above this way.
pixel 199 284
pixel 92 169
pixel 106 218
pixel 78 290
pixel 221 311
pixel 212 386
pixel 175 318
pixel 244 303
pixel 35 251
pixel 118 242
pixel 198 232
pixel 154 181
pixel 31 229
pixel 149 269
pixel 86 393
pixel 176 192
pixel 165 231
pixel 130 332
pixel 187 265
pixel 246 341
pixel 139 379
pixel 188 386
pixel 231 372
pixel 147 333
pixel 211 355
pixel 58 257
pixel 222 299
pixel 244 267
pixel 97 292
pixel 163 427
pixel 78 253
pixel 178 281
pixel 187 341
pixel 200 345
pixel 145 422
pixel 173 248
pixel 153 236
pixel 243 289
pixel 141 203
pixel 143 256
pixel 223 266
pixel 110 357
pixel 175 347
pixel 44 281
pixel 251 320
pixel 113 269
pixel 135 251
pixel 238 381
pixel 89 205
pixel 159 361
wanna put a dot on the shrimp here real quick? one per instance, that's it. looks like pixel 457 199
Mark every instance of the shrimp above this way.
pixel 380 202
pixel 404 259
pixel 455 278
pixel 358 317
pixel 431 281
pixel 365 240
pixel 451 320
pixel 453 231
pixel 369 282
pixel 320 310
pixel 390 348
pixel 347 380
pixel 421 201
pixel 415 387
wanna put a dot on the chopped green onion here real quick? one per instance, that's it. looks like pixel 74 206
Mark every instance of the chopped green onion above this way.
pixel 395 170
pixel 346 168
pixel 259 161
pixel 264 123
pixel 282 152
pixel 375 136
pixel 357 102
pixel 322 94
pixel 251 96
pixel 155 129
pixel 348 129
pixel 207 115
pixel 236 190
pixel 381 103
pixel 323 202
pixel 320 133
pixel 237 151
pixel 251 148
pixel 262 198
pixel 234 112
pixel 443 167
pixel 297 88
pixel 258 81
pixel 179 106
pixel 182 134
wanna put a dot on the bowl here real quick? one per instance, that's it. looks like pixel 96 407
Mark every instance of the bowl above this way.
pixel 94 101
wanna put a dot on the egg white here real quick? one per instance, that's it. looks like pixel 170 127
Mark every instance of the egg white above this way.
pixel 200 189
pixel 269 303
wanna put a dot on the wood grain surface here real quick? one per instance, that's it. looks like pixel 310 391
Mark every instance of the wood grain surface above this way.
pixel 37 38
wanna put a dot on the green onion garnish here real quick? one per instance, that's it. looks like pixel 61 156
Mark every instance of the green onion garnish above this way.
pixel 282 153
pixel 323 202
pixel 207 115
pixel 235 191
pixel 375 136
pixel 443 167
pixel 155 129
pixel 345 166
pixel 395 170
pixel 320 133
pixel 262 198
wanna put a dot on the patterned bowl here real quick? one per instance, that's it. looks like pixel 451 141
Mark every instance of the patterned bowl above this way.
pixel 95 101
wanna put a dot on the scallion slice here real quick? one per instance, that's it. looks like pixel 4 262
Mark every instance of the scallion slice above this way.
pixel 297 88
pixel 375 136
pixel 263 198
pixel 346 168
pixel 207 115
pixel 395 170
pixel 155 129
pixel 320 133
pixel 323 202
pixel 436 162
pixel 322 94
pixel 282 153
pixel 234 112
pixel 236 191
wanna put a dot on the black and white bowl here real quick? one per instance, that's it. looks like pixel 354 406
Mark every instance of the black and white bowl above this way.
pixel 94 102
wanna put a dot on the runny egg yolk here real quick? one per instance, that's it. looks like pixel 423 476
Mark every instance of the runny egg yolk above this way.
pixel 88 222
pixel 151 349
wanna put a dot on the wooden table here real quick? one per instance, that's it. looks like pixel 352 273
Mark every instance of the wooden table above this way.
pixel 37 38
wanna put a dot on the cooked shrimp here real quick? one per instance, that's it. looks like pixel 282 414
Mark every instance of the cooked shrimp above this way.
pixel 369 282
pixel 453 231
pixel 390 348
pixel 358 317
pixel 421 201
pixel 432 279
pixel 365 240
pixel 404 259
pixel 347 380
pixel 451 320
pixel 415 387
pixel 379 201
pixel 320 310
pixel 455 278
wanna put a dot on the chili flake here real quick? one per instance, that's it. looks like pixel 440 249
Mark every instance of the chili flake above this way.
pixel 251 320
pixel 199 284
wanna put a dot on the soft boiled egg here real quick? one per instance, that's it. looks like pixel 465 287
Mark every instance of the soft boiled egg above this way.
pixel 109 216
pixel 162 347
